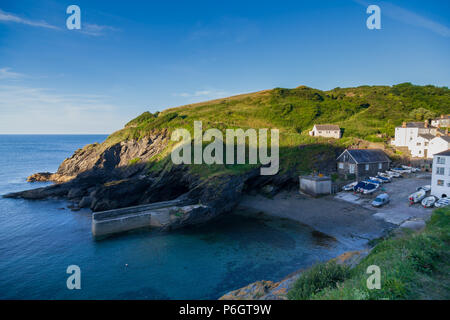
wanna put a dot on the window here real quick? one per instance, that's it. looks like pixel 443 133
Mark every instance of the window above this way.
pixel 440 160
pixel 440 183
pixel 419 144
pixel 367 167
pixel 380 166
pixel 341 165
pixel 440 170
pixel 351 168
pixel 426 143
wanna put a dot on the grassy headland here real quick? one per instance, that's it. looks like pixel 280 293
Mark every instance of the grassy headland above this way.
pixel 365 114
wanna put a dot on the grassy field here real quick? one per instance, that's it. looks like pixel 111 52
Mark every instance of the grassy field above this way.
pixel 413 266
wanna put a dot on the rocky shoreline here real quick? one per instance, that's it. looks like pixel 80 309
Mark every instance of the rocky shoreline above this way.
pixel 116 175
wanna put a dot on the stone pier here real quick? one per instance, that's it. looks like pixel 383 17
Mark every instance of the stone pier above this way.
pixel 160 215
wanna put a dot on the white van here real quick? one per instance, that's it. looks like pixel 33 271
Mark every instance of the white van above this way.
pixel 380 200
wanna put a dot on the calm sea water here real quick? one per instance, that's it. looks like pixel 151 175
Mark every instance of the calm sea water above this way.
pixel 40 239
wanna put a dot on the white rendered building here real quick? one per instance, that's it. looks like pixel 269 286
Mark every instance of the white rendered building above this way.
pixel 440 178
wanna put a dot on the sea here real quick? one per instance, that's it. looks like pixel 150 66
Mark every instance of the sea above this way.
pixel 40 239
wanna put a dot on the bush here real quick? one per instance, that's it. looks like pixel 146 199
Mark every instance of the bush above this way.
pixel 319 277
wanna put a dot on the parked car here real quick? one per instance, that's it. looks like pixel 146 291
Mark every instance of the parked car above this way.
pixel 442 203
pixel 349 187
pixel 380 200
pixel 417 196
pixel 428 201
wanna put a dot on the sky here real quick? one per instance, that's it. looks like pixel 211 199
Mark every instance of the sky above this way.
pixel 135 56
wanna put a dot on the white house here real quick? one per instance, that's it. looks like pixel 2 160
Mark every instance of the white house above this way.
pixel 440 178
pixel 407 134
pixel 326 130
pixel 443 121
pixel 438 144
pixel 419 146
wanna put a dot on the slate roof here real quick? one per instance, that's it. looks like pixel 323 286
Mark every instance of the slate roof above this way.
pixel 446 138
pixel 415 125
pixel 332 127
pixel 443 153
pixel 427 136
pixel 367 155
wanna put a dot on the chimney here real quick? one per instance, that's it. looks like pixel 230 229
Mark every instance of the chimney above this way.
pixel 442 116
pixel 426 123
pixel 404 125
pixel 446 132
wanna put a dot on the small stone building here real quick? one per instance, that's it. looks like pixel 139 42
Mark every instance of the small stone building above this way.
pixel 362 162
pixel 326 130
pixel 315 185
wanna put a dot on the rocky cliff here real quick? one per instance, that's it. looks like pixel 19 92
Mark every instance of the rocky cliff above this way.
pixel 108 177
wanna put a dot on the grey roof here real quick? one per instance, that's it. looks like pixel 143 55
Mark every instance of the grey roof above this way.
pixel 446 138
pixel 427 136
pixel 332 127
pixel 367 155
pixel 415 125
pixel 443 153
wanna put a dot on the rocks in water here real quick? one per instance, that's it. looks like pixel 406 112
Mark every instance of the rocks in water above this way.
pixel 40 176
pixel 48 176
pixel 75 193
pixel 85 202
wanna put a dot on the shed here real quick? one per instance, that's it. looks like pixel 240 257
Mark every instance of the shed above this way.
pixel 362 162
pixel 315 185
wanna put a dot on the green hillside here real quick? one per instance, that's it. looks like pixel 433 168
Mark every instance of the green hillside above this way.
pixel 366 112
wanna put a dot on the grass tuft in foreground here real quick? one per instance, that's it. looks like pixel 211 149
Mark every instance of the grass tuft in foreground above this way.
pixel 414 265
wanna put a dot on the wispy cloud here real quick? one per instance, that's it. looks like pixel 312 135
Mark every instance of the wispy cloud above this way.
pixel 95 29
pixel 38 110
pixel 91 29
pixel 10 17
pixel 408 17
pixel 6 74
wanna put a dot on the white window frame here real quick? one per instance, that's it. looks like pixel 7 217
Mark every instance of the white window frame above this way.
pixel 351 168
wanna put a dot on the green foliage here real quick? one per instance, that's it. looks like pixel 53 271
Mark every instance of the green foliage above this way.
pixel 421 114
pixel 413 266
pixel 319 277
pixel 134 161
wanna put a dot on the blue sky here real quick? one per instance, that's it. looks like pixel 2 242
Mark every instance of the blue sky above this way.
pixel 132 56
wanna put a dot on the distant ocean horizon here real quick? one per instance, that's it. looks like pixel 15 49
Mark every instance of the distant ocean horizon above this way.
pixel 40 239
